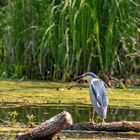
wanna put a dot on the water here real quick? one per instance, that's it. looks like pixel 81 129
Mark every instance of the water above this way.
pixel 79 113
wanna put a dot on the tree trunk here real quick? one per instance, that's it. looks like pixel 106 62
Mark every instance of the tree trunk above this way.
pixel 47 129
pixel 123 126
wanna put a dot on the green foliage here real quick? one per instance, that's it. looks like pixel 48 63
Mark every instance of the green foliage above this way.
pixel 31 120
pixel 11 118
pixel 57 40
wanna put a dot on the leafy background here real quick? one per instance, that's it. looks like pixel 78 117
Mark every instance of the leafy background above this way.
pixel 59 39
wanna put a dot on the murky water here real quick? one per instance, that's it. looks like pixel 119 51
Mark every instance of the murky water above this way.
pixel 79 114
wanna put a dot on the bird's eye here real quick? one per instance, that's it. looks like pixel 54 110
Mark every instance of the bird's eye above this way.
pixel 85 81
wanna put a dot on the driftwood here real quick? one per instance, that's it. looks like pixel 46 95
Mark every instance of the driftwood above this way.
pixel 123 126
pixel 63 121
pixel 48 129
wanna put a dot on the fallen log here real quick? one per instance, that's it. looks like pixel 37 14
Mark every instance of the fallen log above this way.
pixel 123 126
pixel 47 129
pixel 63 121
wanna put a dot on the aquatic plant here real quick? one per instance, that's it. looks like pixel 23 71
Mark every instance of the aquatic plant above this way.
pixel 31 120
pixel 11 118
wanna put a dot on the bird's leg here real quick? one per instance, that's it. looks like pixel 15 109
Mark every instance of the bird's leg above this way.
pixel 93 116
pixel 102 121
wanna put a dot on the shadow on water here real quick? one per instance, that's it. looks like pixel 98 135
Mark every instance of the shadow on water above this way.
pixel 79 113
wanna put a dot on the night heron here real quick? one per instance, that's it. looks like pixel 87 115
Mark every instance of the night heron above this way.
pixel 98 93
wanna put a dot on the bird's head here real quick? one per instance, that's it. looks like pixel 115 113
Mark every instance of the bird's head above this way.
pixel 87 76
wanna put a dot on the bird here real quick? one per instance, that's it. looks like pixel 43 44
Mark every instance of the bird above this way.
pixel 98 93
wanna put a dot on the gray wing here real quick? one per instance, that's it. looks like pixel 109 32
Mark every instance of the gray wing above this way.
pixel 100 93
pixel 99 97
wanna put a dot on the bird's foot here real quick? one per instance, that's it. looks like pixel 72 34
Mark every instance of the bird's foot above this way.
pixel 92 121
pixel 102 121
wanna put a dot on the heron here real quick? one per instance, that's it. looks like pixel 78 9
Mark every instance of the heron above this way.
pixel 98 93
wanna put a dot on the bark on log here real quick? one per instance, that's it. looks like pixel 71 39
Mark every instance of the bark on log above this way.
pixel 123 126
pixel 47 129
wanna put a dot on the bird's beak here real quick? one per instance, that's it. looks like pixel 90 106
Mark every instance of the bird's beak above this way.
pixel 78 78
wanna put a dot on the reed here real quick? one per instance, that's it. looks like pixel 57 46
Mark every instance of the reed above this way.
pixel 57 40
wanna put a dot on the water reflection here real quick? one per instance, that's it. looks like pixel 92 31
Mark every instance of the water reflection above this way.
pixel 79 113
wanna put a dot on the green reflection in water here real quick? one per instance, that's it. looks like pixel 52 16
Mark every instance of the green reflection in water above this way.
pixel 79 113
